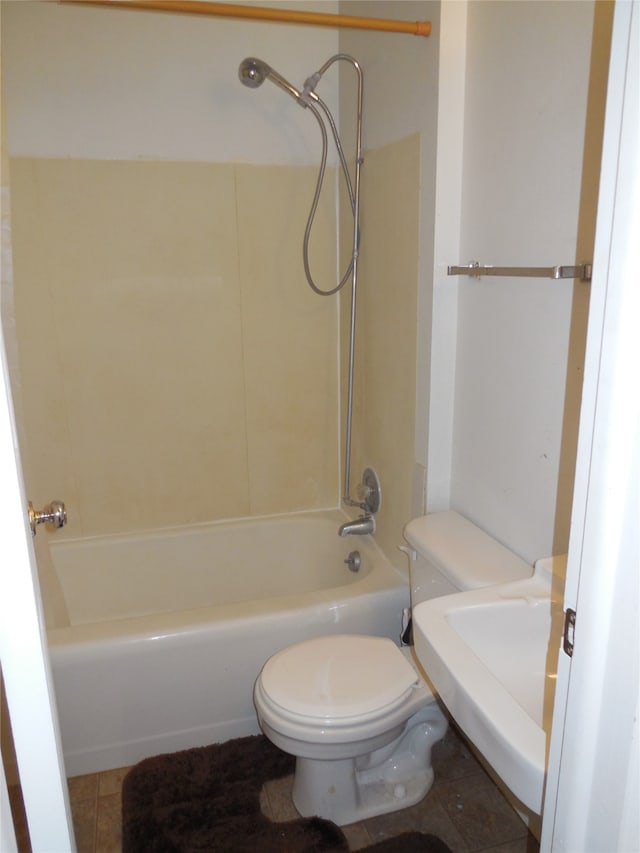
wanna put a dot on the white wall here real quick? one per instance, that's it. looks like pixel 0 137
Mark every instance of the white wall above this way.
pixel 121 84
pixel 519 343
pixel 401 70
pixel 439 352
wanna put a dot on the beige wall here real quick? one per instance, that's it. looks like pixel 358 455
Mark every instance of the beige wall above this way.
pixel 175 368
pixel 384 400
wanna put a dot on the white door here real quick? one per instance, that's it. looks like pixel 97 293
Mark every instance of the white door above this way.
pixel 593 790
pixel 24 657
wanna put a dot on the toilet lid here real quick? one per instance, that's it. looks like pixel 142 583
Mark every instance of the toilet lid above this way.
pixel 337 677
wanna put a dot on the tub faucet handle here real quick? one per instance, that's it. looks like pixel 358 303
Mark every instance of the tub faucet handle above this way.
pixel 54 513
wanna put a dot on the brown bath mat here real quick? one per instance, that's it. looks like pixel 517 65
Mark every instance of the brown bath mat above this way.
pixel 207 800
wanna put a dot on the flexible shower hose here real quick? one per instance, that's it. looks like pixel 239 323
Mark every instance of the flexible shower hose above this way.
pixel 316 197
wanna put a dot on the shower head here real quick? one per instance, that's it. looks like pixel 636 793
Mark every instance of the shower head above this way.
pixel 253 72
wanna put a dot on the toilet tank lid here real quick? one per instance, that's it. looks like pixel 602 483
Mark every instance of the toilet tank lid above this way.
pixel 463 553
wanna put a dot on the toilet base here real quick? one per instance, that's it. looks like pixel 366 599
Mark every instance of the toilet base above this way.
pixel 333 792
pixel 393 777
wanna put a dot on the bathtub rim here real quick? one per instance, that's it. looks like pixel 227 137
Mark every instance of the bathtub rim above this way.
pixel 334 514
pixel 382 575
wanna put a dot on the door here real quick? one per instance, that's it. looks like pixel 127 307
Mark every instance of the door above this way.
pixel 593 787
pixel 24 656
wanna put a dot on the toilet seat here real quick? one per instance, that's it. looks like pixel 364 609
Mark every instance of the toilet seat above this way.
pixel 344 679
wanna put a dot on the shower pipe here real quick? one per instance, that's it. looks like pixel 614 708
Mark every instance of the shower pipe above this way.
pixel 252 73
pixel 354 195
pixel 256 13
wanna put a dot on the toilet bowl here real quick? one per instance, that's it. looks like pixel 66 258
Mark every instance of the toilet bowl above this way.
pixel 359 718
pixel 355 710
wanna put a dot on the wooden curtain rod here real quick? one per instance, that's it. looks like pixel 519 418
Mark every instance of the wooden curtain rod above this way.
pixel 259 13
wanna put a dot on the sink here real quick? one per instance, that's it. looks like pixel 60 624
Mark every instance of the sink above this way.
pixel 491 655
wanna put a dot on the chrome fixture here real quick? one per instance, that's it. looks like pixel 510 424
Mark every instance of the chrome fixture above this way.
pixel 582 271
pixel 354 561
pixel 370 492
pixel 360 527
pixel 54 513
pixel 252 73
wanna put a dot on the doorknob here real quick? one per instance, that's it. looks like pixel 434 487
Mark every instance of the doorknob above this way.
pixel 54 513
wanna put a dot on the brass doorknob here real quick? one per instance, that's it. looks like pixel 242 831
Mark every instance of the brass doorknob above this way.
pixel 54 513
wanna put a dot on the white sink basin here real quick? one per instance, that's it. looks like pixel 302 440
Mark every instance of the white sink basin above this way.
pixel 492 656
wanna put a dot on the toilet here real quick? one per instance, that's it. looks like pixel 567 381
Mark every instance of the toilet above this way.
pixel 354 710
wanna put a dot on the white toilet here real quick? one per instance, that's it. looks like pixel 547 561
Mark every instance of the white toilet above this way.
pixel 355 710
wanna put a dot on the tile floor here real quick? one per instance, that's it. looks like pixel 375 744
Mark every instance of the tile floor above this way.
pixel 464 808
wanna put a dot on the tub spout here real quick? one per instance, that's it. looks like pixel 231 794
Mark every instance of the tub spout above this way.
pixel 360 527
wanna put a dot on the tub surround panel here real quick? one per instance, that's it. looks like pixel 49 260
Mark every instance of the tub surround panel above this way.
pixel 401 98
pixel 291 363
pixel 54 602
pixel 155 358
pixel 384 411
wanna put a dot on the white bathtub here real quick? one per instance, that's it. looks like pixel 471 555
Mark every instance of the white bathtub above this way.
pixel 168 630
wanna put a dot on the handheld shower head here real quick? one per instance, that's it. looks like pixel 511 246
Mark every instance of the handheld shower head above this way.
pixel 253 72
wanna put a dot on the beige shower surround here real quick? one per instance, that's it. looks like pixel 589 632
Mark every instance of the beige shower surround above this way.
pixel 176 367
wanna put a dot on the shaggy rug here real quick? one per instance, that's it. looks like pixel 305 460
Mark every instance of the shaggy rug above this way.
pixel 208 799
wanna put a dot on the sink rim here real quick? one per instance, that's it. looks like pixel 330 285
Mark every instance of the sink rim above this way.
pixel 513 743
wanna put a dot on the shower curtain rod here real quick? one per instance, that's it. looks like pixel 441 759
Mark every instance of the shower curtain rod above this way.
pixel 259 13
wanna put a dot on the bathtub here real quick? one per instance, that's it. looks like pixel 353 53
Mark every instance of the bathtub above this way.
pixel 168 630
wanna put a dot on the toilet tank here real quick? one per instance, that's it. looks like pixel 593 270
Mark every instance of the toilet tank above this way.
pixel 450 554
